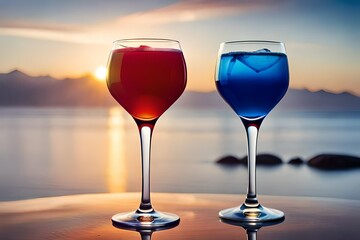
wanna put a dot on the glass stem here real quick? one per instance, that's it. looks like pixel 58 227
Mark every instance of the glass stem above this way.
pixel 145 130
pixel 145 235
pixel 252 130
pixel 251 234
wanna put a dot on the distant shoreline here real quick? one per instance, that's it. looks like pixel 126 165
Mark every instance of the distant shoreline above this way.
pixel 19 89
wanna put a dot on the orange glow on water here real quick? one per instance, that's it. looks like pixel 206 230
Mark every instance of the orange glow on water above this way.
pixel 116 171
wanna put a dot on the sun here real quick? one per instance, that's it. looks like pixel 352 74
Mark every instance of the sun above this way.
pixel 100 73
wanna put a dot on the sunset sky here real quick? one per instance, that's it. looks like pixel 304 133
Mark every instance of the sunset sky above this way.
pixel 69 38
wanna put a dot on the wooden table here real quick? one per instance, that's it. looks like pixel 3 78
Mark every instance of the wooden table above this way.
pixel 88 217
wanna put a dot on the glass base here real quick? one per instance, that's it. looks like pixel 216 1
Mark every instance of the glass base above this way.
pixel 149 220
pixel 251 214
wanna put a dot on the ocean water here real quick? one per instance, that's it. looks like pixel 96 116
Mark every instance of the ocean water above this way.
pixel 61 151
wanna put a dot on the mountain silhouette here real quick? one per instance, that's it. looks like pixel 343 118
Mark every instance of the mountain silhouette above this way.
pixel 295 99
pixel 19 89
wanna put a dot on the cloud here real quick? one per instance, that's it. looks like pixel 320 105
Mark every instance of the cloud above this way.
pixel 41 25
pixel 54 35
pixel 189 11
pixel 61 32
pixel 102 32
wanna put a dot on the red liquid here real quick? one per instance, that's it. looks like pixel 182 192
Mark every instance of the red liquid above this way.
pixel 146 81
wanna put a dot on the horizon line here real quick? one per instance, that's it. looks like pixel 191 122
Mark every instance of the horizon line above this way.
pixel 92 77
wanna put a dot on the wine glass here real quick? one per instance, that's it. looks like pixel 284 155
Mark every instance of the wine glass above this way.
pixel 252 77
pixel 146 76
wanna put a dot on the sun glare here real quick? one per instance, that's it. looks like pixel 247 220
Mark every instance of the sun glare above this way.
pixel 100 73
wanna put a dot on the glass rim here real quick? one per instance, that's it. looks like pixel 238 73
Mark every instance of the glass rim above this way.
pixel 252 42
pixel 252 45
pixel 145 39
pixel 122 42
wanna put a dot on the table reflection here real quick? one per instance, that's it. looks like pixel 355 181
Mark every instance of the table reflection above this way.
pixel 88 218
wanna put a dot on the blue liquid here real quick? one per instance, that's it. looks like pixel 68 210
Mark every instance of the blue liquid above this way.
pixel 253 83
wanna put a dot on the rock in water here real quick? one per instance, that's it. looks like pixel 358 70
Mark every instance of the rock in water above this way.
pixel 264 159
pixel 296 161
pixel 228 160
pixel 334 162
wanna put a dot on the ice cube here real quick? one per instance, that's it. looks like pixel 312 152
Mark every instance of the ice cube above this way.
pixel 263 50
pixel 144 47
pixel 231 65
pixel 260 62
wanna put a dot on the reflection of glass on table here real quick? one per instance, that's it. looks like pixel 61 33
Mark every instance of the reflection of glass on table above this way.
pixel 252 228
pixel 145 234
